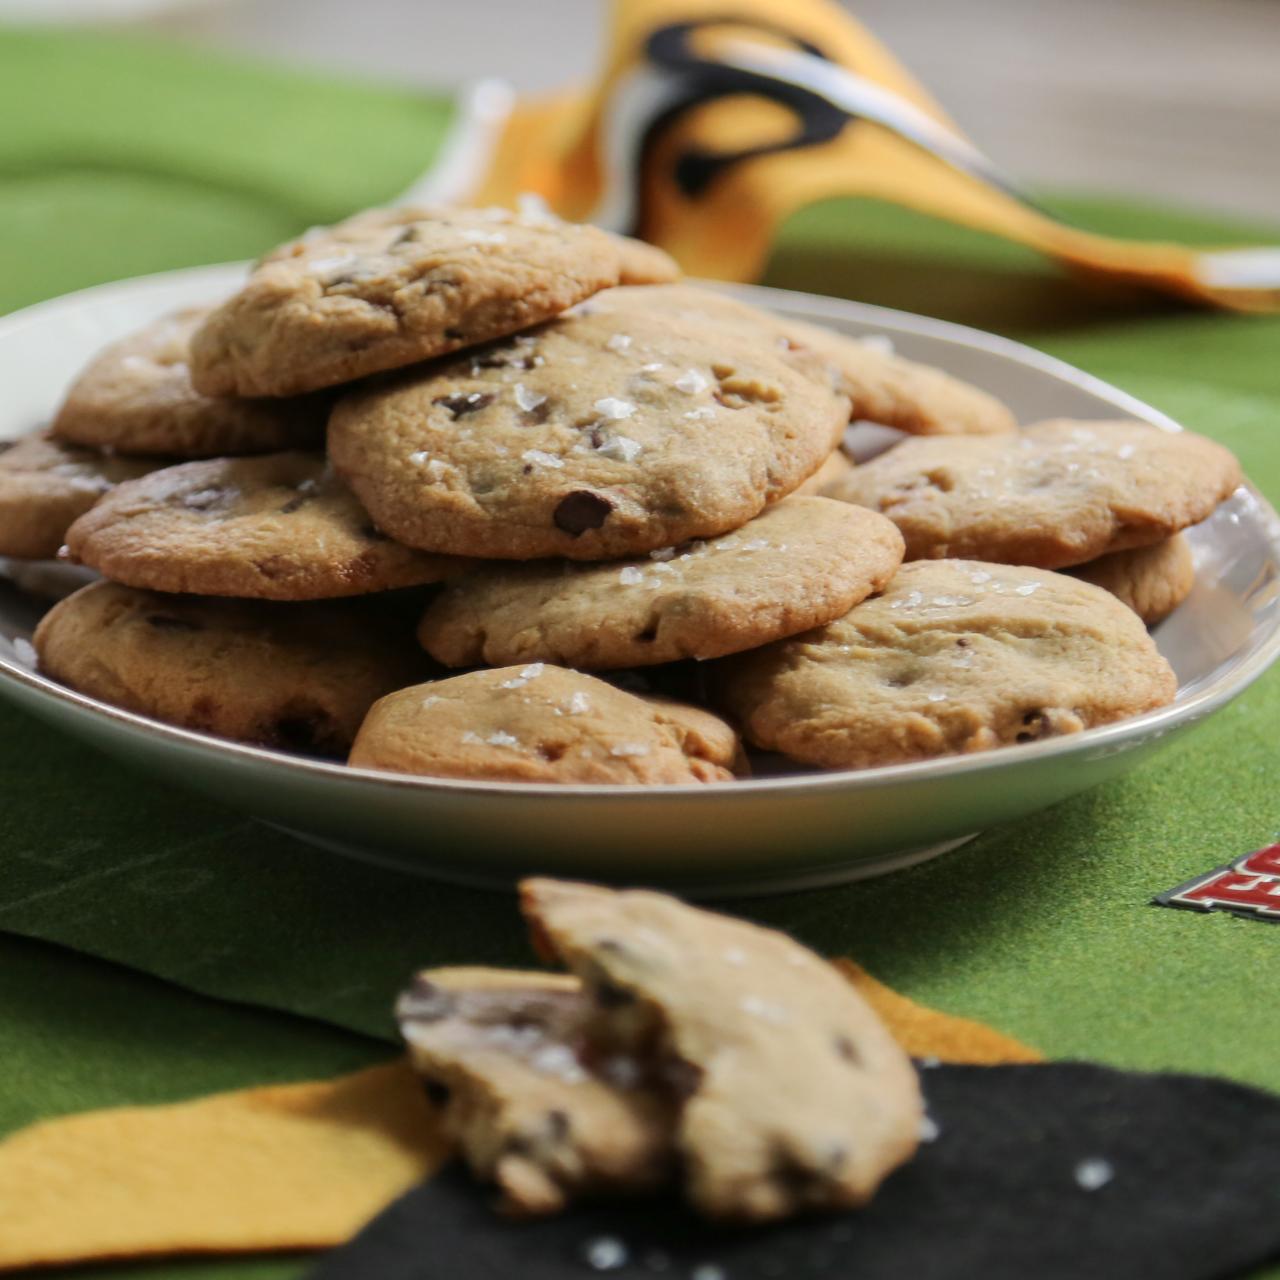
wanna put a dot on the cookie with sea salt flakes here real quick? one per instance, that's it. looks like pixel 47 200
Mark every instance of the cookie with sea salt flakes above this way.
pixel 1057 493
pixel 502 1057
pixel 645 417
pixel 735 1015
pixel 136 396
pixel 277 527
pixel 45 485
pixel 540 723
pixel 1153 581
pixel 889 389
pixel 956 655
pixel 299 677
pixel 797 565
pixel 391 287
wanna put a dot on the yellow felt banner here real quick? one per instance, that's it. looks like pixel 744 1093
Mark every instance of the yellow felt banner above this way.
pixel 712 121
pixel 301 1166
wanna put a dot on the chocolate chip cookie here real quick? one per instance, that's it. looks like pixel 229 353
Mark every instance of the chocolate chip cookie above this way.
pixel 836 467
pixel 1153 581
pixel 45 485
pixel 797 565
pixel 646 417
pixel 504 1063
pixel 277 527
pixel 1058 493
pixel 956 655
pixel 298 677
pixel 136 396
pixel 896 392
pixel 795 1095
pixel 539 723
pixel 394 286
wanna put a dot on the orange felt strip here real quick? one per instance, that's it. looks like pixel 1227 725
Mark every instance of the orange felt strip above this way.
pixel 578 150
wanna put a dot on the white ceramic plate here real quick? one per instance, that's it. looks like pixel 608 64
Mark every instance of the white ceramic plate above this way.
pixel 768 833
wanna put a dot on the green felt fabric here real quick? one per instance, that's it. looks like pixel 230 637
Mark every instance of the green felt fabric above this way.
pixel 131 158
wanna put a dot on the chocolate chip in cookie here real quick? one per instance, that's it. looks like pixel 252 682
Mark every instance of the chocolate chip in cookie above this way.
pixel 1055 494
pixel 391 287
pixel 277 527
pixel 298 677
pixel 136 396
pixel 954 656
pixel 540 723
pixel 649 417
pixel 46 484
pixel 800 563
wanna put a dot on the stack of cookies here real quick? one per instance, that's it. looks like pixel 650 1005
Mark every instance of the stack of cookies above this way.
pixel 530 440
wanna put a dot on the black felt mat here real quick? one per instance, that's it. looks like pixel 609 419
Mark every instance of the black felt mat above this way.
pixel 1056 1170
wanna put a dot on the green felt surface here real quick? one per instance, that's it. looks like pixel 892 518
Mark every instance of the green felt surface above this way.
pixel 143 159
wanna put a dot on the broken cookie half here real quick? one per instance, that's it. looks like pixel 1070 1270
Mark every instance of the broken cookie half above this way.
pixel 504 1061
pixel 686 1045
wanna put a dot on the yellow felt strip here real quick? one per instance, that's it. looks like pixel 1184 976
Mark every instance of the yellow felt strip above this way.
pixel 288 1167
pixel 299 1166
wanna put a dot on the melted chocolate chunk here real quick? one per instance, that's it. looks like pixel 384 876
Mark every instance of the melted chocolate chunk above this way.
pixel 459 405
pixel 558 1124
pixel 847 1049
pixel 300 733
pixel 581 510
pixel 425 1002
pixel 610 997
pixel 1038 726
pixel 438 1094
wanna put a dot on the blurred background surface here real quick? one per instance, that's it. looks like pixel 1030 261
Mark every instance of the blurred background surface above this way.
pixel 1171 99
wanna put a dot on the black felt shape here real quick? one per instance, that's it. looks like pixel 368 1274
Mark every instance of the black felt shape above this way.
pixel 1194 1194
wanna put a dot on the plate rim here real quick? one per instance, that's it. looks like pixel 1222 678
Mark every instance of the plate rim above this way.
pixel 1152 724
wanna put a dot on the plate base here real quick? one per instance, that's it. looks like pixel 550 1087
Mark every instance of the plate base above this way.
pixel 745 886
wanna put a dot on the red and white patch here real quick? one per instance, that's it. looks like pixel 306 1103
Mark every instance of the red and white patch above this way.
pixel 1249 886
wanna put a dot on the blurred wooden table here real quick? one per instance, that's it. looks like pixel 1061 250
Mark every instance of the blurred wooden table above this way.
pixel 1174 99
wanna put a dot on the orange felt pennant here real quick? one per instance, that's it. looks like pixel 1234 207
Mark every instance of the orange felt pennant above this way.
pixel 926 1033
pixel 711 122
